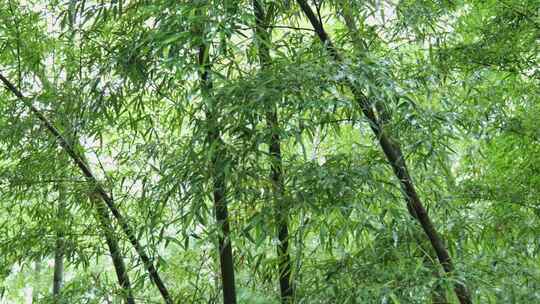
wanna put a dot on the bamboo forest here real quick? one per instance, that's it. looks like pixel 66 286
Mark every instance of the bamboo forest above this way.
pixel 269 151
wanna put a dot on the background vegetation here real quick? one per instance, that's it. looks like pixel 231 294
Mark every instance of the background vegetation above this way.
pixel 264 151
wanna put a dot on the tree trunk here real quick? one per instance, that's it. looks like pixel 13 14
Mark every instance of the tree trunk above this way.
pixel 114 249
pixel 438 294
pixel 58 276
pixel 263 40
pixel 395 157
pixel 218 182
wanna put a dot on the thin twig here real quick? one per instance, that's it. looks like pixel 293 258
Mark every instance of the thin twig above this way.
pixel 280 27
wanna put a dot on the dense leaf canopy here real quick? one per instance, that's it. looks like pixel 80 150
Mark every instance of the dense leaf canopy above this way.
pixel 264 151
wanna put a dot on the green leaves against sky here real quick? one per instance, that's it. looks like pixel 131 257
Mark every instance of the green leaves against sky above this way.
pixel 453 86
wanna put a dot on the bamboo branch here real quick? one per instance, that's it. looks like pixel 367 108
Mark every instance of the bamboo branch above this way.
pixel 98 189
pixel 395 157
pixel 263 40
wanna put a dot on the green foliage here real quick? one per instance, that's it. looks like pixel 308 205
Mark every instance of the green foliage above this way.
pixel 455 82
